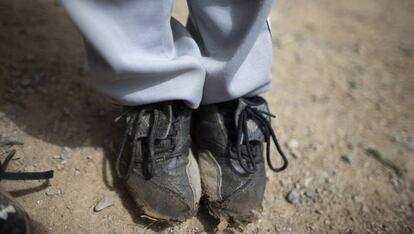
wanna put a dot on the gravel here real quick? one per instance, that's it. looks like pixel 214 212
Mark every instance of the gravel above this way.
pixel 293 144
pixel 54 192
pixel 347 159
pixel 64 156
pixel 293 196
pixel 296 154
pixel 310 194
pixel 356 199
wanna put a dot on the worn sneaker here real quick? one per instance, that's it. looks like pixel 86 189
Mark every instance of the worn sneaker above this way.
pixel 228 143
pixel 156 163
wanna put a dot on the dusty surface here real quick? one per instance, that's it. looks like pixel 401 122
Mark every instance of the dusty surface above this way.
pixel 343 85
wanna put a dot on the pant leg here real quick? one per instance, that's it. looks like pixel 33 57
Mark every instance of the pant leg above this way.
pixel 137 53
pixel 236 46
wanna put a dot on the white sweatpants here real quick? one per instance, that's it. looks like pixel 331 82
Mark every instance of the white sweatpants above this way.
pixel 138 54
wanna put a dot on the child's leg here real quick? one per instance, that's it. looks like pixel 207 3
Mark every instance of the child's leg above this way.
pixel 235 42
pixel 137 53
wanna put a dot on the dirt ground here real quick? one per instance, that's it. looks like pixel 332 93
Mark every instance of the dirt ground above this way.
pixel 343 95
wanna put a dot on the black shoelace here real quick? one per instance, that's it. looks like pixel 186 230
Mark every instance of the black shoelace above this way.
pixel 137 149
pixel 243 139
pixel 21 175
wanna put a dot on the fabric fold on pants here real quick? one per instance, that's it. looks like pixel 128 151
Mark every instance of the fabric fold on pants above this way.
pixel 138 54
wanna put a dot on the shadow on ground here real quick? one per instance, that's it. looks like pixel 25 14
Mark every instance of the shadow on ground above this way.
pixel 43 94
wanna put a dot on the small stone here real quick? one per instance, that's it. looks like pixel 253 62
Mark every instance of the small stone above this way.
pixel 64 156
pixel 394 182
pixel 66 111
pixel 386 227
pixel 365 209
pixel 327 222
pixel 283 183
pixel 105 202
pixel 77 172
pixel 310 194
pixel 356 199
pixel 25 82
pixel 293 144
pixel 307 181
pixel 296 154
pixel 346 158
pixel 54 192
pixel 60 167
pixel 108 217
pixel 2 115
pixel 293 196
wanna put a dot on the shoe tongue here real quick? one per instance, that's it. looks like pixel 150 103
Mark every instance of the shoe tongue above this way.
pixel 254 131
pixel 163 125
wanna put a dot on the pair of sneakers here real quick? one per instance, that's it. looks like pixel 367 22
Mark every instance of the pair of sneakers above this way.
pixel 171 156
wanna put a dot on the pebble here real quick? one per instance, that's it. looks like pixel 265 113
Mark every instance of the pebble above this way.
pixel 66 111
pixel 293 144
pixel 108 217
pixel 54 192
pixel 105 202
pixel 283 183
pixel 329 180
pixel 310 194
pixel 64 156
pixel 346 158
pixel 77 172
pixel 25 82
pixel 356 199
pixel 386 227
pixel 293 196
pixel 307 181
pixel 365 209
pixel 296 154
pixel 394 182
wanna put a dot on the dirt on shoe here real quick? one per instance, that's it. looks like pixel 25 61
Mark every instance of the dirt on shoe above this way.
pixel 342 95
pixel 228 141
pixel 155 161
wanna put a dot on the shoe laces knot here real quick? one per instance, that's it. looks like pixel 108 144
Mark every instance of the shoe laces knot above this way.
pixel 253 123
pixel 144 125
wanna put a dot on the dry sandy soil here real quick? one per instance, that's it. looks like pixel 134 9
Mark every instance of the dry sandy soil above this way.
pixel 343 91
